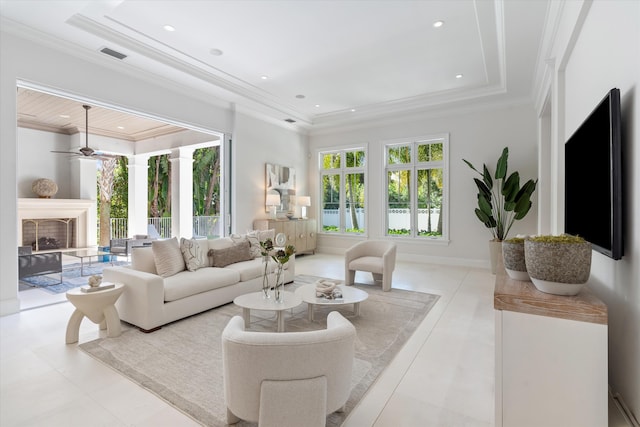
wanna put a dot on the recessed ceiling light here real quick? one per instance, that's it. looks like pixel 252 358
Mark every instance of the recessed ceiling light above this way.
pixel 317 105
pixel 169 28
pixel 300 96
pixel 215 52
pixel 458 76
pixel 64 116
pixel 438 24
pixel 120 127
pixel 264 77
pixel 353 110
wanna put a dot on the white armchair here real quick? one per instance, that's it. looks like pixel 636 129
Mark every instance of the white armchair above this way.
pixel 290 378
pixel 375 256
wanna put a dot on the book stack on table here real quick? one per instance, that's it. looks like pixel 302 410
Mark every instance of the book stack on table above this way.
pixel 88 289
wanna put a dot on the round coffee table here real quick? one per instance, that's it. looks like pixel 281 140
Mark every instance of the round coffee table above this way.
pixel 98 307
pixel 256 301
pixel 350 295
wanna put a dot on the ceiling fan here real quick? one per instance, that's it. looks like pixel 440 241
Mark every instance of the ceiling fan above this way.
pixel 87 151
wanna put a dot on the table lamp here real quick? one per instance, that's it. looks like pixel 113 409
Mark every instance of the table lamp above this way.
pixel 273 200
pixel 304 201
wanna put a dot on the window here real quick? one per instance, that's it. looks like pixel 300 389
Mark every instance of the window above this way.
pixel 416 193
pixel 342 177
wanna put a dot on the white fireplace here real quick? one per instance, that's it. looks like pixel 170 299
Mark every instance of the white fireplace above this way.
pixel 83 228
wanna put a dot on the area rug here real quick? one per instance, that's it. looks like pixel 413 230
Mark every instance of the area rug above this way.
pixel 71 277
pixel 182 362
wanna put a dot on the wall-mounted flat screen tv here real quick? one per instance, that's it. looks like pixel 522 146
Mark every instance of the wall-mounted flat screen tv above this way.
pixel 593 179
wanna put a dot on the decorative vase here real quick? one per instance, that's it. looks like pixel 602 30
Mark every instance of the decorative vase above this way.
pixel 278 286
pixel 265 277
pixel 495 247
pixel 556 267
pixel 514 261
pixel 44 188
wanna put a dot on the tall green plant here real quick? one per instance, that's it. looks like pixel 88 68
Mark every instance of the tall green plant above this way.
pixel 501 204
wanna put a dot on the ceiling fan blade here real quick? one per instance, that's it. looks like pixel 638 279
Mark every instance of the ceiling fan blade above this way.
pixel 66 152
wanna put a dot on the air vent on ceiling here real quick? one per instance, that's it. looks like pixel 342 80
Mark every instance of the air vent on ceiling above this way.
pixel 113 53
pixel 289 120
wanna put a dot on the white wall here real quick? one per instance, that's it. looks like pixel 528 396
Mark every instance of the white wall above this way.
pixel 35 161
pixel 607 55
pixel 104 82
pixel 255 144
pixel 476 136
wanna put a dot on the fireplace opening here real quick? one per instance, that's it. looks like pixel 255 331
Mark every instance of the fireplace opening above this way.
pixel 49 233
pixel 46 243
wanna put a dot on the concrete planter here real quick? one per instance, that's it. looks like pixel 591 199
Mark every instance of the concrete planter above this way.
pixel 558 268
pixel 514 260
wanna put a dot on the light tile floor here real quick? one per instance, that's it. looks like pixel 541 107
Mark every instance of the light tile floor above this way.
pixel 444 375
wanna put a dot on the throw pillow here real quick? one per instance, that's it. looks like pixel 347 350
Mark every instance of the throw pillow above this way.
pixel 167 256
pixel 256 236
pixel 236 253
pixel 238 238
pixel 192 254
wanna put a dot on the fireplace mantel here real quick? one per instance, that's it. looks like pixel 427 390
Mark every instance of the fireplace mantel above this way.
pixel 83 211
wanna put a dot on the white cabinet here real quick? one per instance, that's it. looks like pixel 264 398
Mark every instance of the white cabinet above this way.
pixel 551 357
pixel 301 233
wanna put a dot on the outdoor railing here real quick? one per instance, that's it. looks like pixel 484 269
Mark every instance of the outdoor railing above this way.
pixel 203 226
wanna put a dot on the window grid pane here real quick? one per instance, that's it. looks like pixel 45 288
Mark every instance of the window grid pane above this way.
pixel 399 202
pixel 354 203
pixel 331 202
pixel 399 155
pixel 430 196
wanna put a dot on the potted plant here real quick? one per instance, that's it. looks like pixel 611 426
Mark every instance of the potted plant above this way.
pixel 558 265
pixel 514 261
pixel 502 202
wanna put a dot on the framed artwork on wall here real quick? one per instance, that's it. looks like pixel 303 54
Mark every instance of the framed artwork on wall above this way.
pixel 281 181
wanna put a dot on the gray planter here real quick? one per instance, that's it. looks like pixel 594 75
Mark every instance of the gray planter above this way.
pixel 514 261
pixel 558 268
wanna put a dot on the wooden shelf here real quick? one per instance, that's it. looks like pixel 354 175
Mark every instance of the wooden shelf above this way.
pixel 523 297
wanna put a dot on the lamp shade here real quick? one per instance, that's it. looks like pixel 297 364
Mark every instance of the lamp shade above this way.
pixel 272 200
pixel 304 200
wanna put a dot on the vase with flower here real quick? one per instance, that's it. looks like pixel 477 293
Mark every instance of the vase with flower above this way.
pixel 266 248
pixel 281 257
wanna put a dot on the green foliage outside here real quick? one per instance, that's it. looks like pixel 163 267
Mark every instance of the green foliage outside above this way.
pixel 354 185
pixel 430 182
pixel 206 185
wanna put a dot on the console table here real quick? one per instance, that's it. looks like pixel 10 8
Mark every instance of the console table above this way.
pixel 300 233
pixel 551 356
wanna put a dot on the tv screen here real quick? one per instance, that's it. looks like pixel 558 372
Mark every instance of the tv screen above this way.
pixel 593 179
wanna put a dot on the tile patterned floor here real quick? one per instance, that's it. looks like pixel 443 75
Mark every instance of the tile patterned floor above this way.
pixel 444 376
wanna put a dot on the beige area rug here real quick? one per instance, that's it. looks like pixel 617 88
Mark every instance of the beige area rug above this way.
pixel 182 362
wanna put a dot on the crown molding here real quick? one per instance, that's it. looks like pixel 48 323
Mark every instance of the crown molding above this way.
pixel 455 109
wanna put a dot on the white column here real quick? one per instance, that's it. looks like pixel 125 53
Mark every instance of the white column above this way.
pixel 138 166
pixel 182 192
pixel 83 185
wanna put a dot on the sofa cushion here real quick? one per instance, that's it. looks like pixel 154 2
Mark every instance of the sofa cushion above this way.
pixel 168 257
pixel 142 259
pixel 251 269
pixel 187 283
pixel 193 253
pixel 222 243
pixel 257 236
pixel 236 253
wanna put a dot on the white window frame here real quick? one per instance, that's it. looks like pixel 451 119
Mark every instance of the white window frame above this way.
pixel 343 171
pixel 414 167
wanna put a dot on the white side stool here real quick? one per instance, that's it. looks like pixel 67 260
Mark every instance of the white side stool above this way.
pixel 98 307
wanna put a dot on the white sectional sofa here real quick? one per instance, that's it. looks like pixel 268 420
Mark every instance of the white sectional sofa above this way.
pixel 158 291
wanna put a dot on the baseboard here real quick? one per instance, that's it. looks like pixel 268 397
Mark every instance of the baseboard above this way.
pixel 624 411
